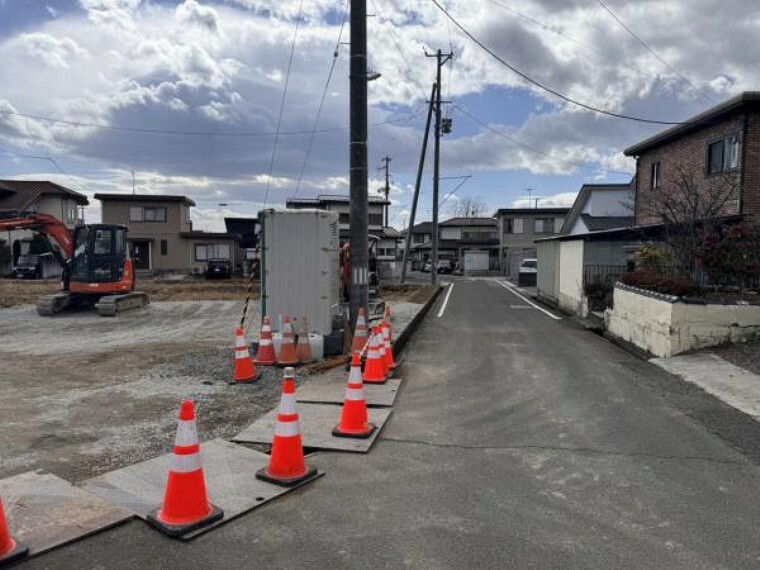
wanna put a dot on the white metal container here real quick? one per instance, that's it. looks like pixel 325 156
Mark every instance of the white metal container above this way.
pixel 317 344
pixel 300 266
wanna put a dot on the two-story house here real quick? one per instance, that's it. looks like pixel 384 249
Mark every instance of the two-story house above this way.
pixel 518 230
pixel 716 153
pixel 456 236
pixel 161 235
pixel 342 205
pixel 601 207
pixel 41 197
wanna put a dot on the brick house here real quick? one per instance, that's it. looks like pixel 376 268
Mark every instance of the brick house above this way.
pixel 720 146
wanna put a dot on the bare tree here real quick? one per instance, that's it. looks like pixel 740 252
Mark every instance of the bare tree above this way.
pixel 688 208
pixel 467 207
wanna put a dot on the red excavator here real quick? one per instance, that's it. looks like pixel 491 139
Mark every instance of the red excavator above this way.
pixel 97 269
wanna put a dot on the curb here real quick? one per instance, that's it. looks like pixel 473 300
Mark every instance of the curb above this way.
pixel 403 338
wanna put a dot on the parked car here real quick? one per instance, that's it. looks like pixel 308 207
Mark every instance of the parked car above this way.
pixel 528 272
pixel 427 267
pixel 444 266
pixel 218 268
pixel 27 267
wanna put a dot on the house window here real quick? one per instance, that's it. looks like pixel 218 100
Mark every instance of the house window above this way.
pixel 375 219
pixel 543 225
pixel 164 247
pixel 418 238
pixel 135 214
pixel 478 235
pixel 344 218
pixel 723 155
pixel 206 251
pixel 509 226
pixel 155 214
pixel 655 177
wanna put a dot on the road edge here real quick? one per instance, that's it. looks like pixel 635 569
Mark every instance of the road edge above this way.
pixel 403 338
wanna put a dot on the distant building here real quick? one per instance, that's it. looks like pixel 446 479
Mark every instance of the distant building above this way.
pixel 341 204
pixel 601 207
pixel 41 197
pixel 456 237
pixel 161 235
pixel 518 230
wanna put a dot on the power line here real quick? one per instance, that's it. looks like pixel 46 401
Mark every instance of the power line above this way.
pixel 51 160
pixel 650 50
pixel 540 85
pixel 336 53
pixel 534 149
pixel 282 102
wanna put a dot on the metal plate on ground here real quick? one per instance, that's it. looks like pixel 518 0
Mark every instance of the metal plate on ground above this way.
pixel 317 423
pixel 230 472
pixel 45 512
pixel 334 392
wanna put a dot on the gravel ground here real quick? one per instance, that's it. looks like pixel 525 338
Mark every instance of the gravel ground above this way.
pixel 745 355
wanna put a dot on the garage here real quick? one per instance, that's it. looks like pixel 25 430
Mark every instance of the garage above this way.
pixel 475 262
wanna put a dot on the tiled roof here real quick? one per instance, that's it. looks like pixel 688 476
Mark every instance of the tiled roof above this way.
pixel 21 194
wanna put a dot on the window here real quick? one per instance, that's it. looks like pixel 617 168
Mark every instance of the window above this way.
pixel 543 225
pixel 344 218
pixel 72 213
pixel 135 214
pixel 375 219
pixel 479 235
pixel 206 251
pixel 723 155
pixel 655 177
pixel 513 226
pixel 102 243
pixel 155 214
pixel 418 238
pixel 164 247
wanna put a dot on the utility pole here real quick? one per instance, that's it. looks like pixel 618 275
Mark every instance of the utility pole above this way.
pixel 133 181
pixel 441 60
pixel 359 286
pixel 417 184
pixel 387 190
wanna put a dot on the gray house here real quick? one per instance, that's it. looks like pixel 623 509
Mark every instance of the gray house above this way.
pixel 519 228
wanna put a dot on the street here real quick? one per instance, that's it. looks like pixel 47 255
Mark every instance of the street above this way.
pixel 519 440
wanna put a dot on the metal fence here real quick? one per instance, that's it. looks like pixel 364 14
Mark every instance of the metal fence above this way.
pixel 603 274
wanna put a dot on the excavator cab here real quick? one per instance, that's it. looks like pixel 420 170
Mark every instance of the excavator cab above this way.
pixel 100 254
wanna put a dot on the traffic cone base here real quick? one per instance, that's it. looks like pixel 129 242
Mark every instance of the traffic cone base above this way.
pixel 362 434
pixel 11 550
pixel 244 370
pixel 18 552
pixel 154 518
pixel 288 355
pixel 263 474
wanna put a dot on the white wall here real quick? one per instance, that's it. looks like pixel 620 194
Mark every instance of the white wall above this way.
pixel 609 203
pixel 570 297
pixel 665 326
pixel 451 233
pixel 547 253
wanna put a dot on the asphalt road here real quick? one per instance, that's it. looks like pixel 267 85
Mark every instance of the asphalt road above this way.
pixel 518 441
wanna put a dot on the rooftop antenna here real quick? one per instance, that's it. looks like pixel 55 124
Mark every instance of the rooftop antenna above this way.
pixel 133 181
pixel 530 195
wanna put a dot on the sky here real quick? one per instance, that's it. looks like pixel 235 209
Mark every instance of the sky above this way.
pixel 184 97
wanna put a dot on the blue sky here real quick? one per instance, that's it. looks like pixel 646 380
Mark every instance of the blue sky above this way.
pixel 216 69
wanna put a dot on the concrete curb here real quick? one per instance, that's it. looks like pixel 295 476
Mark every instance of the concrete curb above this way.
pixel 403 338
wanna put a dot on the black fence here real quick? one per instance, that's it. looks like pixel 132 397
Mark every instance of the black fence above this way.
pixel 603 274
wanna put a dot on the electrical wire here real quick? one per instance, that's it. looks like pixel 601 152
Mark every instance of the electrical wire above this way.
pixel 655 54
pixel 534 149
pixel 51 160
pixel 540 85
pixel 282 103
pixel 336 53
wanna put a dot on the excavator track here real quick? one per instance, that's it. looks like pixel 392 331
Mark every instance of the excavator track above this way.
pixel 112 305
pixel 53 304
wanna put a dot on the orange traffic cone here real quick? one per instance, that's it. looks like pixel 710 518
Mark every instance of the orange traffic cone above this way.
pixel 245 369
pixel 288 355
pixel 381 351
pixel 389 360
pixel 360 336
pixel 287 466
pixel 186 506
pixel 265 355
pixel 374 372
pixel 10 549
pixel 353 422
pixel 388 318
pixel 303 350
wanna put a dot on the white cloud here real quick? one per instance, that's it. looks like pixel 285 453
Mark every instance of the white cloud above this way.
pixel 53 51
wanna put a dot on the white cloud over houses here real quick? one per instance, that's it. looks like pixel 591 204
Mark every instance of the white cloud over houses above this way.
pixel 216 70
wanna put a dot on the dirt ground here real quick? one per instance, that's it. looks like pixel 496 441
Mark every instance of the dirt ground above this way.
pixel 83 394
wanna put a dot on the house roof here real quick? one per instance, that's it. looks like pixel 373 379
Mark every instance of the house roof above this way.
pixel 421 228
pixel 389 232
pixel 21 194
pixel 528 211
pixel 143 198
pixel 743 101
pixel 607 222
pixel 334 199
pixel 483 222
pixel 582 198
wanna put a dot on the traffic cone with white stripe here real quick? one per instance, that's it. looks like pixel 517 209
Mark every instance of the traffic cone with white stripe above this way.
pixel 383 353
pixel 389 360
pixel 374 372
pixel 10 549
pixel 303 350
pixel 360 336
pixel 244 369
pixel 186 506
pixel 288 355
pixel 265 355
pixel 287 465
pixel 353 422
